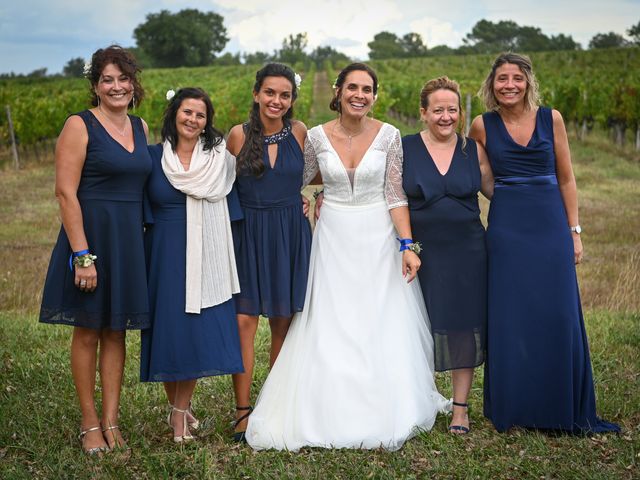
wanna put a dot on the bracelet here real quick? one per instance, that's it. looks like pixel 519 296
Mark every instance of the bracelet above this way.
pixel 317 193
pixel 415 247
pixel 82 258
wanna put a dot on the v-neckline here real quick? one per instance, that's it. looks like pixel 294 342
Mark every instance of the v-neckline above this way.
pixel 533 134
pixel 133 133
pixel 355 169
pixel 433 162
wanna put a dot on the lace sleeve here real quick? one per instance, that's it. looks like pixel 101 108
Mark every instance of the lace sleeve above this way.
pixel 310 162
pixel 393 191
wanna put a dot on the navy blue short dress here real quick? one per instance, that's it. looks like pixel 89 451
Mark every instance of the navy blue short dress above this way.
pixel 179 345
pixel 445 218
pixel 273 241
pixel 110 195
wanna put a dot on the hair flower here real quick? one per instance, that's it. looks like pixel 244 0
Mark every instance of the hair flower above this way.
pixel 87 69
pixel 170 94
pixel 297 79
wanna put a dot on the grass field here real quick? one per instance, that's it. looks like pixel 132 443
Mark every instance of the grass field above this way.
pixel 39 419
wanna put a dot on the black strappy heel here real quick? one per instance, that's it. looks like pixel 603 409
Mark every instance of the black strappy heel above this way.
pixel 459 429
pixel 239 437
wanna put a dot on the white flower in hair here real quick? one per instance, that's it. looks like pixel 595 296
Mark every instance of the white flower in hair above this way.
pixel 297 79
pixel 170 94
pixel 87 69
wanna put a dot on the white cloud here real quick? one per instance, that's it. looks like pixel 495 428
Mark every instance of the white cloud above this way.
pixel 436 32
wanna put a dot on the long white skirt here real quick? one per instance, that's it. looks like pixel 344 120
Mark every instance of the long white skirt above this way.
pixel 356 368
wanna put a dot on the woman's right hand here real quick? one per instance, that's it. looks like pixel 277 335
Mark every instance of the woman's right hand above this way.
pixel 86 278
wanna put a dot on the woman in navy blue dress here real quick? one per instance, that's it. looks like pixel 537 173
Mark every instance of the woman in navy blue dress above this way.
pixel 96 280
pixel 190 258
pixel 538 370
pixel 273 241
pixel 442 174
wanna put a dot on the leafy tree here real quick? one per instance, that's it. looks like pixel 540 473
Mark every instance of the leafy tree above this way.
pixel 440 50
pixel 228 59
pixel 385 45
pixel 326 53
pixel 40 72
pixel 490 37
pixel 607 40
pixel 564 42
pixel 634 33
pixel 256 58
pixel 531 39
pixel 293 49
pixel 187 38
pixel 74 68
pixel 413 46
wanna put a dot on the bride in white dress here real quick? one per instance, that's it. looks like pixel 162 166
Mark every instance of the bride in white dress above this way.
pixel 356 367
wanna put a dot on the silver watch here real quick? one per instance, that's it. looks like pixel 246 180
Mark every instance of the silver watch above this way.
pixel 577 229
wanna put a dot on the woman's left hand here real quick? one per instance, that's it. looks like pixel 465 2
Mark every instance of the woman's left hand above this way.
pixel 578 251
pixel 410 265
pixel 305 205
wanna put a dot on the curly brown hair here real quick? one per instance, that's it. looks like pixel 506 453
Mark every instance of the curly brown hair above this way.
pixel 125 61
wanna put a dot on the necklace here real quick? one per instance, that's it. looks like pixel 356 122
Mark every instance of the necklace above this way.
pixel 122 131
pixel 349 134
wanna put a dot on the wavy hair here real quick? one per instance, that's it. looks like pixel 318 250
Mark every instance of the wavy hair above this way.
pixel 125 61
pixel 249 159
pixel 353 67
pixel 444 83
pixel 210 137
pixel 532 95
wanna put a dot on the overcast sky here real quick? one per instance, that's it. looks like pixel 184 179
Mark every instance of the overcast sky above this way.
pixel 47 33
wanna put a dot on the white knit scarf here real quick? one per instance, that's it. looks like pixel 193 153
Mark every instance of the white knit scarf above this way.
pixel 211 264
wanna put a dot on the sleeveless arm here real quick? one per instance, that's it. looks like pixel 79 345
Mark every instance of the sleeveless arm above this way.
pixel 310 162
pixel 393 191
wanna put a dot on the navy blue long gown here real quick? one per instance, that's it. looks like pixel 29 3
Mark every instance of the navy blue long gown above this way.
pixel 273 241
pixel 445 218
pixel 110 196
pixel 538 370
pixel 179 345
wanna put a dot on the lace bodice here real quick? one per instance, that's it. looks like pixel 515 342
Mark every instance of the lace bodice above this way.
pixel 378 176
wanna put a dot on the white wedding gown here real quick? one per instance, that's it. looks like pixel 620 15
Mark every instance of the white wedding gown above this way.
pixel 356 368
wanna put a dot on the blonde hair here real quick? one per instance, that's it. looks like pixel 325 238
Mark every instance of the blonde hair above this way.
pixel 532 95
pixel 444 83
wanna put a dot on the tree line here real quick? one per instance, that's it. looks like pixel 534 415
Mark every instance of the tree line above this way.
pixel 191 38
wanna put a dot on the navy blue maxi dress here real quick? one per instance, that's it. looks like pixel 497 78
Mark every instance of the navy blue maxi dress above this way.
pixel 273 241
pixel 445 218
pixel 538 369
pixel 179 345
pixel 110 195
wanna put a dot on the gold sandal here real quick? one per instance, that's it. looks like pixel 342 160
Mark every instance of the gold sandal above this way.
pixel 98 451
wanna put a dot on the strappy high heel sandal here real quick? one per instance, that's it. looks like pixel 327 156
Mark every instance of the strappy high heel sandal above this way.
pixel 459 429
pixel 186 435
pixel 97 451
pixel 194 423
pixel 239 437
pixel 118 445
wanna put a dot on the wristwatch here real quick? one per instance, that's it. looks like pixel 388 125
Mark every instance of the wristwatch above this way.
pixel 577 229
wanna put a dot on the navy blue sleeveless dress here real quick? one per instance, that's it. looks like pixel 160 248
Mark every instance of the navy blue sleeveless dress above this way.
pixel 538 369
pixel 273 241
pixel 445 218
pixel 110 195
pixel 179 345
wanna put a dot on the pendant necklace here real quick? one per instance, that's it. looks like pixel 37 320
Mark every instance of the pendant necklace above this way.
pixel 122 131
pixel 351 135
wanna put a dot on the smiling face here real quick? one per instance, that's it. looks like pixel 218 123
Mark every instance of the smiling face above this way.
pixel 509 85
pixel 356 94
pixel 191 118
pixel 274 98
pixel 442 114
pixel 114 88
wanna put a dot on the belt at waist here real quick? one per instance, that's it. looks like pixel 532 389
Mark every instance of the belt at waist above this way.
pixel 110 195
pixel 280 203
pixel 533 180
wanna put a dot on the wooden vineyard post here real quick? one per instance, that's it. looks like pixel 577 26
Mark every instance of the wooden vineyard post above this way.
pixel 467 107
pixel 14 149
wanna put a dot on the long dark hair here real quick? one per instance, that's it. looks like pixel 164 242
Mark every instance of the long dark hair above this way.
pixel 125 61
pixel 353 67
pixel 211 137
pixel 249 159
